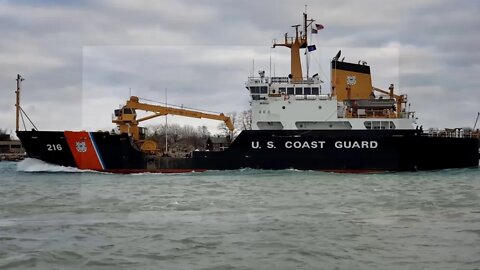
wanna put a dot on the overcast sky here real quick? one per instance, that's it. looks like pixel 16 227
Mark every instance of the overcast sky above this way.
pixel 81 58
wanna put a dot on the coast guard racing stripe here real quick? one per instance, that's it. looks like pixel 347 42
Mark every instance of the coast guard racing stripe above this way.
pixel 84 150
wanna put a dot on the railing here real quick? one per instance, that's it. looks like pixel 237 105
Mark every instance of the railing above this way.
pixel 453 133
pixel 303 81
pixel 279 80
pixel 373 114
pixel 305 97
pixel 260 80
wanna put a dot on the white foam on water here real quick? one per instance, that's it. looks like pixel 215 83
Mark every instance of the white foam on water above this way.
pixel 36 165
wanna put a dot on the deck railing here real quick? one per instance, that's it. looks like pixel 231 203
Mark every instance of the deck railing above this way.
pixel 453 133
pixel 263 80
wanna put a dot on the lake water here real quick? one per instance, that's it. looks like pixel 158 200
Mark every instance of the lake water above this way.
pixel 59 218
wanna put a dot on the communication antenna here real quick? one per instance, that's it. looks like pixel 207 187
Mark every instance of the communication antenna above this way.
pixel 274 66
pixel 274 59
pixel 253 67
pixel 270 62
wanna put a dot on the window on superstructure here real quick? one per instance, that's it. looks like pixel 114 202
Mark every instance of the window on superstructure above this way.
pixel 263 90
pixel 315 91
pixel 290 91
pixel 307 91
pixel 368 124
pixel 254 90
pixel 298 90
pixel 379 125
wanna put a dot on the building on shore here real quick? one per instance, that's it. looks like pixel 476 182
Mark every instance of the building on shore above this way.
pixel 11 151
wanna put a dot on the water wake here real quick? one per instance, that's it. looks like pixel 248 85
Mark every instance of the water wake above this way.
pixel 36 165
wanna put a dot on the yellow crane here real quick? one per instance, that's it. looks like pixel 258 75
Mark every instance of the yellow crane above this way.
pixel 400 99
pixel 127 122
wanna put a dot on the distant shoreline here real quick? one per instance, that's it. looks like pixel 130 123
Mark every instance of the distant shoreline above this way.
pixel 12 156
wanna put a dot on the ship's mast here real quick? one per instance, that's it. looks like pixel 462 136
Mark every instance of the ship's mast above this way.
pixel 307 59
pixel 17 103
pixel 166 125
pixel 295 44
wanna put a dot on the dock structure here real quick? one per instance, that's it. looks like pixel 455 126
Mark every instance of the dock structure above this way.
pixel 11 151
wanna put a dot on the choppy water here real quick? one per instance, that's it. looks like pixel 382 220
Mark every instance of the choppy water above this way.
pixel 238 220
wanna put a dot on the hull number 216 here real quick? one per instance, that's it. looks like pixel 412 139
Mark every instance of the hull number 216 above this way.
pixel 54 147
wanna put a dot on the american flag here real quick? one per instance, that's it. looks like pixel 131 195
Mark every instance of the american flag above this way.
pixel 317 28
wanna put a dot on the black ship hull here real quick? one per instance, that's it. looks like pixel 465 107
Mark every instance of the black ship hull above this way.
pixel 324 150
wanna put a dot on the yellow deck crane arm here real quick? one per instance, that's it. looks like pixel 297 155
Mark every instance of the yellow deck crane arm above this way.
pixel 127 121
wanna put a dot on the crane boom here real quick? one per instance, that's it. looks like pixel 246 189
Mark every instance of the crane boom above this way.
pixel 400 99
pixel 126 118
pixel 390 93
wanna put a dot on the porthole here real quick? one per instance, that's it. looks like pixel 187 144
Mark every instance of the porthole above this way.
pixel 283 107
pixel 319 107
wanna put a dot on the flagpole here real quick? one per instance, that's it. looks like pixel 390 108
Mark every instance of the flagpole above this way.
pixel 306 47
pixel 307 60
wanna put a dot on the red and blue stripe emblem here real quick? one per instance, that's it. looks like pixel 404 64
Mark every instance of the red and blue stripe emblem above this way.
pixel 84 150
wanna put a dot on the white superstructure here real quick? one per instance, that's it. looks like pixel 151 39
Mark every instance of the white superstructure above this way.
pixel 281 103
pixel 296 102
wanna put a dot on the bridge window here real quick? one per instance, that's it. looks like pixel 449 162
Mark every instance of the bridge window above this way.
pixel 298 90
pixel 258 90
pixel 379 125
pixel 315 91
pixel 307 91
pixel 290 91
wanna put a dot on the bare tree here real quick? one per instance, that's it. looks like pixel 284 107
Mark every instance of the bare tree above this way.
pixel 225 131
pixel 180 138
pixel 203 132
pixel 245 119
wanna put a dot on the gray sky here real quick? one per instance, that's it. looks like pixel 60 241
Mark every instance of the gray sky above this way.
pixel 80 58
